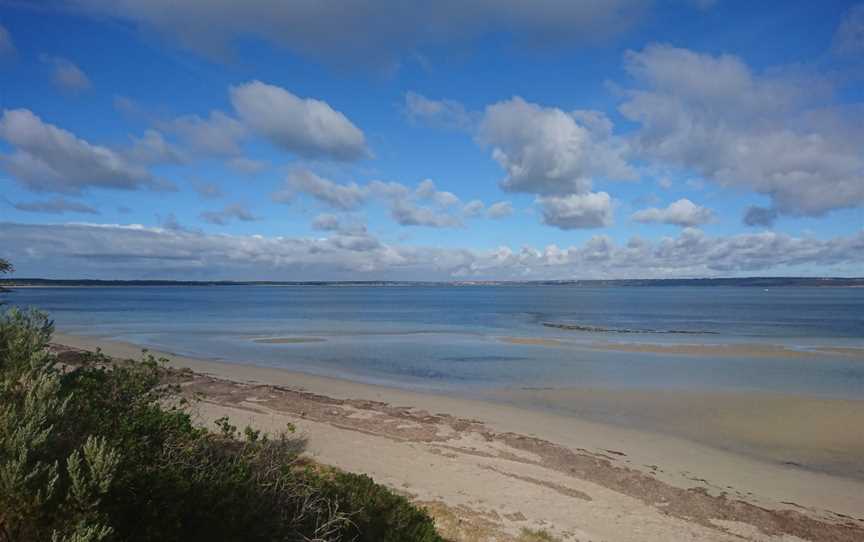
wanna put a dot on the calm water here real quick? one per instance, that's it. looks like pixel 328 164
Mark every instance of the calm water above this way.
pixel 449 338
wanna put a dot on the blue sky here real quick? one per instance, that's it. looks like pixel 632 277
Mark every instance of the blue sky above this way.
pixel 468 140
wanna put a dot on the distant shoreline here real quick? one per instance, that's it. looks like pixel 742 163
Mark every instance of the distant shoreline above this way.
pixel 747 282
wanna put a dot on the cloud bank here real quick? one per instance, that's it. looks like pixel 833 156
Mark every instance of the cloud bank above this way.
pixel 113 251
pixel 377 33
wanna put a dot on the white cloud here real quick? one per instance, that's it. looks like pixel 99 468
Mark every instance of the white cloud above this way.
pixel 427 190
pixel 501 209
pixel 759 216
pixel 713 116
pixel 682 213
pixel 443 113
pixel 231 212
pixel 67 75
pixel 55 206
pixel 51 159
pixel 343 225
pixel 548 151
pixel 152 148
pixel 247 166
pixel 307 127
pixel 111 251
pixel 577 211
pixel 216 135
pixel 338 196
pixel 371 33
pixel 473 208
pixel 326 222
pixel 406 213
pixel 423 205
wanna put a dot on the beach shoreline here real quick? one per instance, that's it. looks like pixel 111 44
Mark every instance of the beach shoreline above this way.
pixel 483 445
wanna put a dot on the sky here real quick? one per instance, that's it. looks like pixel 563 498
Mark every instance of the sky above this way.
pixel 402 140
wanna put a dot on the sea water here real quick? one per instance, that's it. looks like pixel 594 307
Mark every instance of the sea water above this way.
pixel 454 338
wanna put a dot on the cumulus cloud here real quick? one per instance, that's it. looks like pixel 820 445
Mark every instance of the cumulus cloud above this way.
pixel 406 213
pixel 228 214
pixel 55 206
pixel 345 232
pixel 473 208
pixel 247 166
pixel 7 46
pixel 442 113
pixel 501 209
pixel 371 33
pixel 548 151
pixel 759 216
pixel 216 135
pixel 112 251
pixel 423 205
pixel 849 37
pixel 337 196
pixel 326 222
pixel 405 209
pixel 427 190
pixel 67 75
pixel 152 148
pixel 577 211
pixel 304 126
pixel 713 116
pixel 50 159
pixel 682 213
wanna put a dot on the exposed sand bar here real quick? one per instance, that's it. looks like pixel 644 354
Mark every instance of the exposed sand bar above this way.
pixel 751 350
pixel 534 341
pixel 498 468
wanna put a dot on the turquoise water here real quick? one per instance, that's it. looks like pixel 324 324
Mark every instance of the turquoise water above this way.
pixel 448 338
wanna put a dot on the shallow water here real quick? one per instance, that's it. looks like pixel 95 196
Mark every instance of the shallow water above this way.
pixel 449 338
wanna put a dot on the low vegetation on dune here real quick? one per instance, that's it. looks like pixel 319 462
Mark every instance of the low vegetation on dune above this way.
pixel 103 451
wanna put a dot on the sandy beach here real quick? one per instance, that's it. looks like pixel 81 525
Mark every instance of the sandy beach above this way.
pixel 489 469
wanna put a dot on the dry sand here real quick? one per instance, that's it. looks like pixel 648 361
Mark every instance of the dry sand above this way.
pixel 487 470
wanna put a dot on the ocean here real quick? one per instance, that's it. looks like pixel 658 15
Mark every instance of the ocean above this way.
pixel 460 339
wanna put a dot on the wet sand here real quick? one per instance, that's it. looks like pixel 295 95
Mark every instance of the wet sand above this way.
pixel 752 350
pixel 814 433
pixel 486 470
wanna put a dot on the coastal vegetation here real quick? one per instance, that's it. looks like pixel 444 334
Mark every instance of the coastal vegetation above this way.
pixel 93 449
pixel 5 267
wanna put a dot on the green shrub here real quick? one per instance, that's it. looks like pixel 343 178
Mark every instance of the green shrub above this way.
pixel 103 451
pixel 378 514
